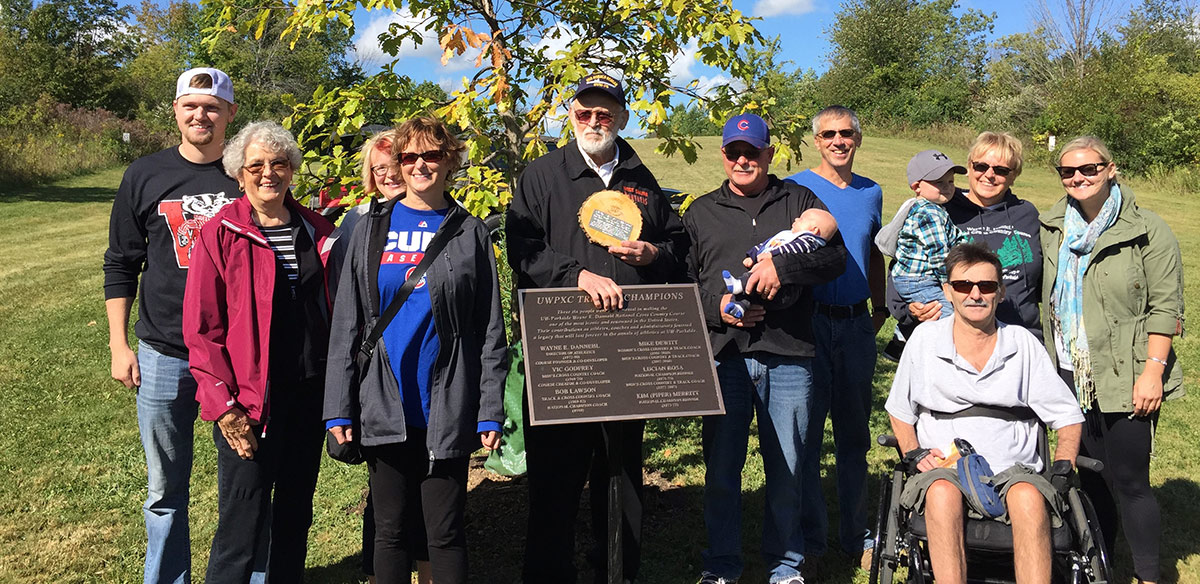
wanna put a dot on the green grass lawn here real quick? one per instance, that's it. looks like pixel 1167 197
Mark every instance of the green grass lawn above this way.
pixel 74 475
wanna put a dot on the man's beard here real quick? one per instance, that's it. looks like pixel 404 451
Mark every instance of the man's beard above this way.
pixel 202 140
pixel 597 147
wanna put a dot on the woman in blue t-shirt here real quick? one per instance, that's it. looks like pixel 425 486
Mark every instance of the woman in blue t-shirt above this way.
pixel 431 394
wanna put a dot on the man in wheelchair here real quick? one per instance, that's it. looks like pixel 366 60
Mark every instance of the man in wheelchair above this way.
pixel 973 378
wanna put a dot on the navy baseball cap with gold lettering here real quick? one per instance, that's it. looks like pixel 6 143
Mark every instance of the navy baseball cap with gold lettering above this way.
pixel 602 82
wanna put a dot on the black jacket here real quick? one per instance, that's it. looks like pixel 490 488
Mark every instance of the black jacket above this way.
pixel 721 231
pixel 468 379
pixel 546 246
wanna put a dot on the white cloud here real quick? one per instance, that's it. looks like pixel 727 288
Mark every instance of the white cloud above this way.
pixel 681 67
pixel 556 40
pixel 683 72
pixel 769 8
pixel 369 53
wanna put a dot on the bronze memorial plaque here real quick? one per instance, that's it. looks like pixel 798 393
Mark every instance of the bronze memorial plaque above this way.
pixel 651 359
pixel 609 217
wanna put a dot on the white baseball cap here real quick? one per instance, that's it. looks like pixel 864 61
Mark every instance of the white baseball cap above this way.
pixel 222 86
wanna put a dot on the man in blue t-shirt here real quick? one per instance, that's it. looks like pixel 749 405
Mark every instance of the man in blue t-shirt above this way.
pixel 844 326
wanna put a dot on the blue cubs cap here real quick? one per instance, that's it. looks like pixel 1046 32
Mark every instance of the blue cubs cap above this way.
pixel 602 82
pixel 748 128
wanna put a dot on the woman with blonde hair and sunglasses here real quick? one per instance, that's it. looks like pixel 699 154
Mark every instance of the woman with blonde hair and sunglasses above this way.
pixel 381 183
pixel 988 212
pixel 1113 301
pixel 431 392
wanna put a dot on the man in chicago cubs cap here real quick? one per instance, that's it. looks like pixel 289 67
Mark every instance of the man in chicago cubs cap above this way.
pixel 764 356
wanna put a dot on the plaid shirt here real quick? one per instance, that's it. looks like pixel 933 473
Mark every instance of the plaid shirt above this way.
pixel 924 241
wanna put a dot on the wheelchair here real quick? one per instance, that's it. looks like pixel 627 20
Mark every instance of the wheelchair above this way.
pixel 901 539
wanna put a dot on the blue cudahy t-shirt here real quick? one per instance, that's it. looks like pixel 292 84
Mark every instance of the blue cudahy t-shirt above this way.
pixel 411 339
pixel 858 209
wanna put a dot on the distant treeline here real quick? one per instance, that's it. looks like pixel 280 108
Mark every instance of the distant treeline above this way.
pixel 77 76
pixel 80 75
pixel 1132 79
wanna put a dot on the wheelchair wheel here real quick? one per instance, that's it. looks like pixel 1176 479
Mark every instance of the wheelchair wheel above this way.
pixel 1098 562
pixel 885 557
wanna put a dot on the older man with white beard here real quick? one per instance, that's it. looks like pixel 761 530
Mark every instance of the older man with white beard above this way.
pixel 548 249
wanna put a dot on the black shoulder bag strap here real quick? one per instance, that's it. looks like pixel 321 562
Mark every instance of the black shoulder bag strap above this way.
pixel 453 221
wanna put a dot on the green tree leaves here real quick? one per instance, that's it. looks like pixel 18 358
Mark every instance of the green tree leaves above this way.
pixel 520 79
pixel 913 61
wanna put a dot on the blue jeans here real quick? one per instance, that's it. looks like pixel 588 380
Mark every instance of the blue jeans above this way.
pixel 166 411
pixel 923 290
pixel 843 372
pixel 779 390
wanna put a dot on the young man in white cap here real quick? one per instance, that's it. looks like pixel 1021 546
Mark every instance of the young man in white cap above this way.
pixel 163 200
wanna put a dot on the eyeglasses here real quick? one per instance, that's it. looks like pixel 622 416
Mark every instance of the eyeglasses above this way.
pixel 431 156
pixel 1088 170
pixel 845 133
pixel 965 286
pixel 982 168
pixel 735 154
pixel 381 170
pixel 602 117
pixel 278 165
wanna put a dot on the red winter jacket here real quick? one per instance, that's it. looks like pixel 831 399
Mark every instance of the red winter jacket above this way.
pixel 227 308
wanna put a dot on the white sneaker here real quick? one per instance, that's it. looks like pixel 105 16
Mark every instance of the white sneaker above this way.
pixel 797 579
pixel 710 578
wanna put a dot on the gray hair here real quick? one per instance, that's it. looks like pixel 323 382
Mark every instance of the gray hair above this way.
pixel 836 111
pixel 269 135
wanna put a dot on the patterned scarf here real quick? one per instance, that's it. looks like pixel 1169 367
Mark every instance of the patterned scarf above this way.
pixel 1079 238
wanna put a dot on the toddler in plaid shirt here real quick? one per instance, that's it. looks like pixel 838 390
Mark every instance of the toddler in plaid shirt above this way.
pixel 810 231
pixel 921 233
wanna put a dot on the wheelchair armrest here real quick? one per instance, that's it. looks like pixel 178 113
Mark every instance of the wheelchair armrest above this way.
pixel 1089 463
pixel 887 440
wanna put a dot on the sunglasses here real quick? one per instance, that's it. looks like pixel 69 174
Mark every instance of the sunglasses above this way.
pixel 1088 170
pixel 430 156
pixel 965 286
pixel 829 134
pixel 735 154
pixel 381 170
pixel 279 165
pixel 602 117
pixel 982 168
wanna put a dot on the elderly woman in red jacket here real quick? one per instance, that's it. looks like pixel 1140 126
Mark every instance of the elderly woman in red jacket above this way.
pixel 256 324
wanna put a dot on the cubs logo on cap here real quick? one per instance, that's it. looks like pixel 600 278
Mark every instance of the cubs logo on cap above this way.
pixel 747 128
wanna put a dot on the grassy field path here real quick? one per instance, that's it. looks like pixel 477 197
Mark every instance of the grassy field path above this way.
pixel 74 474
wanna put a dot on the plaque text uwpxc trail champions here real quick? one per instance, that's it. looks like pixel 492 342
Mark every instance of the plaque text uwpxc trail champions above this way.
pixel 651 359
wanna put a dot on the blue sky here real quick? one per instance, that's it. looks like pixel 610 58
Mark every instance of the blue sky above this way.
pixel 800 24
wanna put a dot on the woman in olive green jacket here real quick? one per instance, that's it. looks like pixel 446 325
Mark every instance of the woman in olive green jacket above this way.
pixel 1112 301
